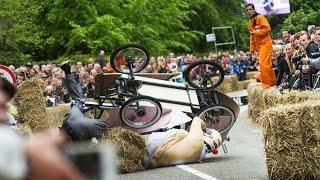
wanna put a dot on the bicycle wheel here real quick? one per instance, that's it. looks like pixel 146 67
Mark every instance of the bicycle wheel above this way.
pixel 218 117
pixel 140 112
pixel 204 74
pixel 129 55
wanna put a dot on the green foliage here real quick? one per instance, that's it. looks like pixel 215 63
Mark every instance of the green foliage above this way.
pixel 75 58
pixel 303 13
pixel 52 30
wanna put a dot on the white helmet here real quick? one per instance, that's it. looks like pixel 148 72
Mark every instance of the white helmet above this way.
pixel 212 138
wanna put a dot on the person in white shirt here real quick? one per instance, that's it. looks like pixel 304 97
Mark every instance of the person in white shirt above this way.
pixel 35 157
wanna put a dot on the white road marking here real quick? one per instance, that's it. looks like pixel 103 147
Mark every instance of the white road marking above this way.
pixel 196 172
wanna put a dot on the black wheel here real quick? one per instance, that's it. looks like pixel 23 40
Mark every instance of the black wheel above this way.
pixel 140 112
pixel 204 75
pixel 129 55
pixel 218 117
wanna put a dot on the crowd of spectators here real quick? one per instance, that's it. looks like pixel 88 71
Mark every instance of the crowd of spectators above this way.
pixel 51 76
pixel 293 55
pixel 296 58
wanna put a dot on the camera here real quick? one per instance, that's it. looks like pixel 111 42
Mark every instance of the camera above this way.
pixel 298 58
pixel 315 55
pixel 95 162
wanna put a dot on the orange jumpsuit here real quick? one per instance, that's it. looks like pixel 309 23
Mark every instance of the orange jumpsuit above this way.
pixel 119 61
pixel 261 42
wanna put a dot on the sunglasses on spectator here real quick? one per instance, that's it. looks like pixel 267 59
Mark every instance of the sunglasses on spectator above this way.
pixel 318 34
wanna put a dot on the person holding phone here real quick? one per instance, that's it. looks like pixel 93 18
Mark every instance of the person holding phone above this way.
pixel 34 157
pixel 261 43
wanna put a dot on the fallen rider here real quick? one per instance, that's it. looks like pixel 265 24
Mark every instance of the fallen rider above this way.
pixel 178 146
pixel 175 146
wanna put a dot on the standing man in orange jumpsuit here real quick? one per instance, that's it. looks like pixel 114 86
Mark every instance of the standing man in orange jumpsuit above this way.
pixel 261 42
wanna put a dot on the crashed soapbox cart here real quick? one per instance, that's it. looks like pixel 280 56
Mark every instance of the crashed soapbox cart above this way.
pixel 140 99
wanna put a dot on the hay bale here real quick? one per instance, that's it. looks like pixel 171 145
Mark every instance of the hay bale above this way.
pixel 255 101
pixel 130 147
pixel 31 105
pixel 244 84
pixel 260 99
pixel 127 166
pixel 250 74
pixel 24 129
pixel 292 140
pixel 229 84
pixel 56 116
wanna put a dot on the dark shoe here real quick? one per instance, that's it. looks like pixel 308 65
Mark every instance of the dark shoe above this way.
pixel 66 67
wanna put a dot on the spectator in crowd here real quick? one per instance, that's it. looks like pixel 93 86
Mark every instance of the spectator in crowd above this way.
pixel 295 41
pixel 243 67
pixel 252 60
pixel 311 30
pixel 289 54
pixel 286 36
pixel 225 64
pixel 234 66
pixel 79 66
pixel 318 36
pixel 97 68
pixel 282 68
pixel 91 61
pixel 12 68
pixel 260 41
pixel 48 70
pixel 100 58
pixel 36 67
pixel 309 46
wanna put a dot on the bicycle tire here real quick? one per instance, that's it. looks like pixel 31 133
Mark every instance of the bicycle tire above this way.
pixel 127 107
pixel 225 125
pixel 118 50
pixel 193 66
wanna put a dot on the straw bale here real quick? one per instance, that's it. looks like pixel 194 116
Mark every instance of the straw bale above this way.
pixel 255 101
pixel 229 84
pixel 31 105
pixel 128 166
pixel 250 74
pixel 130 147
pixel 260 99
pixel 253 111
pixel 225 86
pixel 24 128
pixel 56 116
pixel 292 140
pixel 244 84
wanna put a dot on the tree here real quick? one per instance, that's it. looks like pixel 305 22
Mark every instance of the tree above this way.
pixel 303 13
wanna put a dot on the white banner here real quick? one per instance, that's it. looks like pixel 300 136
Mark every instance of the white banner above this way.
pixel 267 7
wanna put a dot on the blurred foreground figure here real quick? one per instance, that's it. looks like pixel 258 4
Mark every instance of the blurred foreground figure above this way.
pixel 35 157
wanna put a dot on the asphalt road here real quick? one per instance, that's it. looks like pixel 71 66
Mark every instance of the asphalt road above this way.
pixel 245 159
